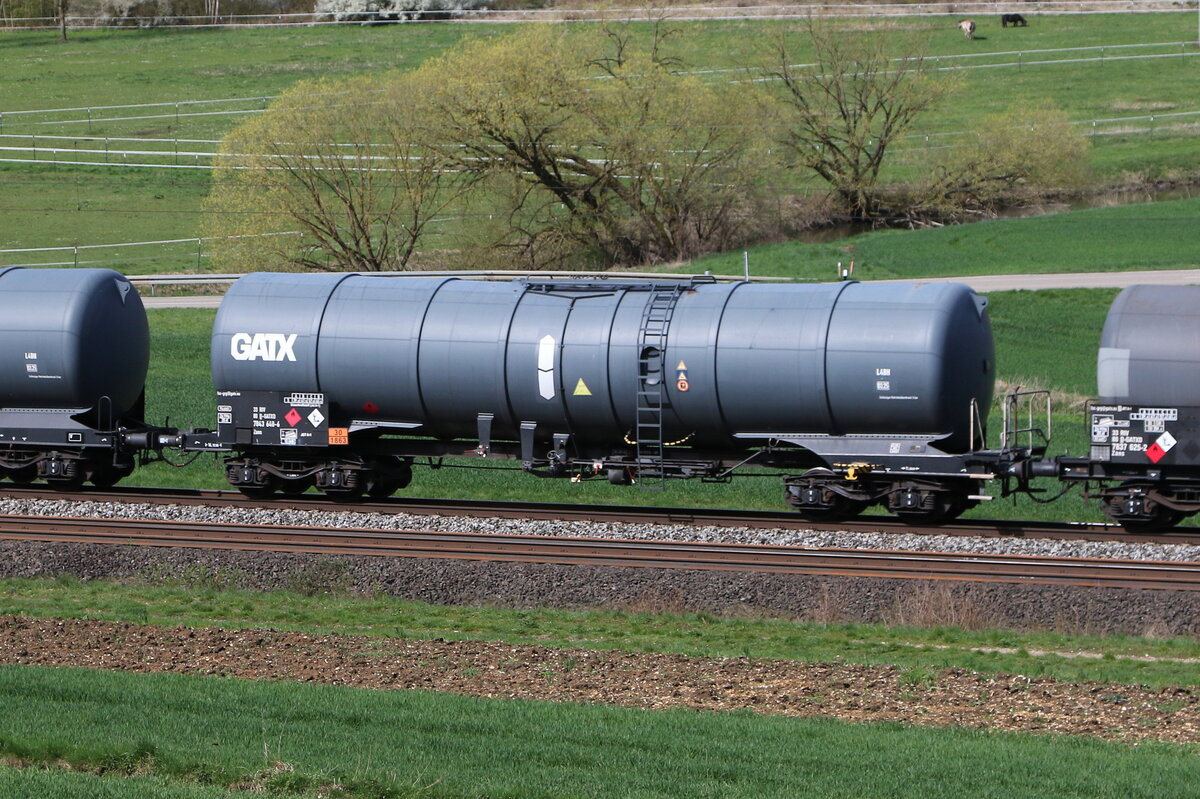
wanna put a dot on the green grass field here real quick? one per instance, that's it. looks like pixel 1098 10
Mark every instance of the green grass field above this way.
pixel 1153 235
pixel 303 740
pixel 112 68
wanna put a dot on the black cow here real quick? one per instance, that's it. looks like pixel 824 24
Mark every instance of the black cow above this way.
pixel 1016 20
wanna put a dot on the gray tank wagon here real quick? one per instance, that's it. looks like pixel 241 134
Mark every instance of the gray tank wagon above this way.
pixel 1145 426
pixel 74 351
pixel 868 392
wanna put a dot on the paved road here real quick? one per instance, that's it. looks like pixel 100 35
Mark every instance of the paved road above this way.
pixel 985 284
pixel 181 302
pixel 982 283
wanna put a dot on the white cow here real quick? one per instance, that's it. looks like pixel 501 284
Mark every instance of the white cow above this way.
pixel 967 26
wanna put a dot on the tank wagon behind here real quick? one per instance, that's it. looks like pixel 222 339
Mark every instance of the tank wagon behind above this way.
pixel 74 351
pixel 1145 426
pixel 871 392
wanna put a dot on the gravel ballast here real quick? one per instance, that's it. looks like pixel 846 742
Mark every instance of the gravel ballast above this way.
pixel 349 519
pixel 920 602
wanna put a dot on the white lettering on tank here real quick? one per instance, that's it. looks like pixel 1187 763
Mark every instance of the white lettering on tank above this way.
pixel 262 346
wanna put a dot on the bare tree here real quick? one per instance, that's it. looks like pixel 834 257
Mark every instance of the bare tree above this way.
pixel 842 113
pixel 334 175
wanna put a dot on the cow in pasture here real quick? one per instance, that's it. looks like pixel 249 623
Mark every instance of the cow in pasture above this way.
pixel 1016 20
pixel 967 26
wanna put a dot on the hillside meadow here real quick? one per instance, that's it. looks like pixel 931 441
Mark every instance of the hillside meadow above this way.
pixel 96 74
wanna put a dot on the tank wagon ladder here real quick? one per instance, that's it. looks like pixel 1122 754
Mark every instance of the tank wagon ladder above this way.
pixel 652 392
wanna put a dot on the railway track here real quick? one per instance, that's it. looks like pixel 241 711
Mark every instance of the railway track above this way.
pixel 1088 572
pixel 1079 531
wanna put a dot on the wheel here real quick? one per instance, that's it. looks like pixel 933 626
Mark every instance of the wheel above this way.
pixel 1163 519
pixel 345 494
pixel 258 492
pixel 295 487
pixel 382 487
pixel 814 499
pixel 942 506
pixel 23 475
pixel 106 475
pixel 73 483
pixel 402 474
pixel 1138 513
pixel 843 508
pixel 388 477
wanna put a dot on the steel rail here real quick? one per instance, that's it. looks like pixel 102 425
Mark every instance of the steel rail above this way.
pixel 1024 569
pixel 715 517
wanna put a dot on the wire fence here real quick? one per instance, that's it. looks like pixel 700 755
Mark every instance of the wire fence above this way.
pixel 190 253
pixel 172 110
pixel 150 153
pixel 87 118
pixel 601 14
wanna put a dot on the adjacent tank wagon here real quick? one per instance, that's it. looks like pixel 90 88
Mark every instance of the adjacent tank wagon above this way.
pixel 74 350
pixel 1145 424
pixel 868 392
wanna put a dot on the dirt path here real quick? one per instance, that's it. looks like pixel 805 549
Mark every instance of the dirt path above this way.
pixel 487 669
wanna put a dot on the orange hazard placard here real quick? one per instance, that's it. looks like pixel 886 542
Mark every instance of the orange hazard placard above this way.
pixel 339 435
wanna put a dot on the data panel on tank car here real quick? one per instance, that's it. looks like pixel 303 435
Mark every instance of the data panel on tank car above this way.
pixel 273 419
pixel 1140 435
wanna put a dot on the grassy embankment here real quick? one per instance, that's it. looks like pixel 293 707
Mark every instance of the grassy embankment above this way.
pixel 60 206
pixel 1157 235
pixel 321 604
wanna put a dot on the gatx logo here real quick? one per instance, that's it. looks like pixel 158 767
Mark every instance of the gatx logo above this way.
pixel 262 346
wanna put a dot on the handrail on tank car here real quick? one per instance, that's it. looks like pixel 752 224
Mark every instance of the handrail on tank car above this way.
pixel 498 274
pixel 975 425
pixel 1010 433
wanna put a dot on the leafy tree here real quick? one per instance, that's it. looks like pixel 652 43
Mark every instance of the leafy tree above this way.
pixel 586 139
pixel 547 145
pixel 1022 154
pixel 840 115
pixel 334 175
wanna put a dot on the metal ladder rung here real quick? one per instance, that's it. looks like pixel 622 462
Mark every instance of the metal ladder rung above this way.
pixel 656 323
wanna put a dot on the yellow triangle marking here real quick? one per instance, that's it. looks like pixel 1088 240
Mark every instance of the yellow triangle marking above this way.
pixel 681 366
pixel 581 389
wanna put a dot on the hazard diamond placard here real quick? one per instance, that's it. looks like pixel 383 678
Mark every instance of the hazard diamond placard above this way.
pixel 1161 446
